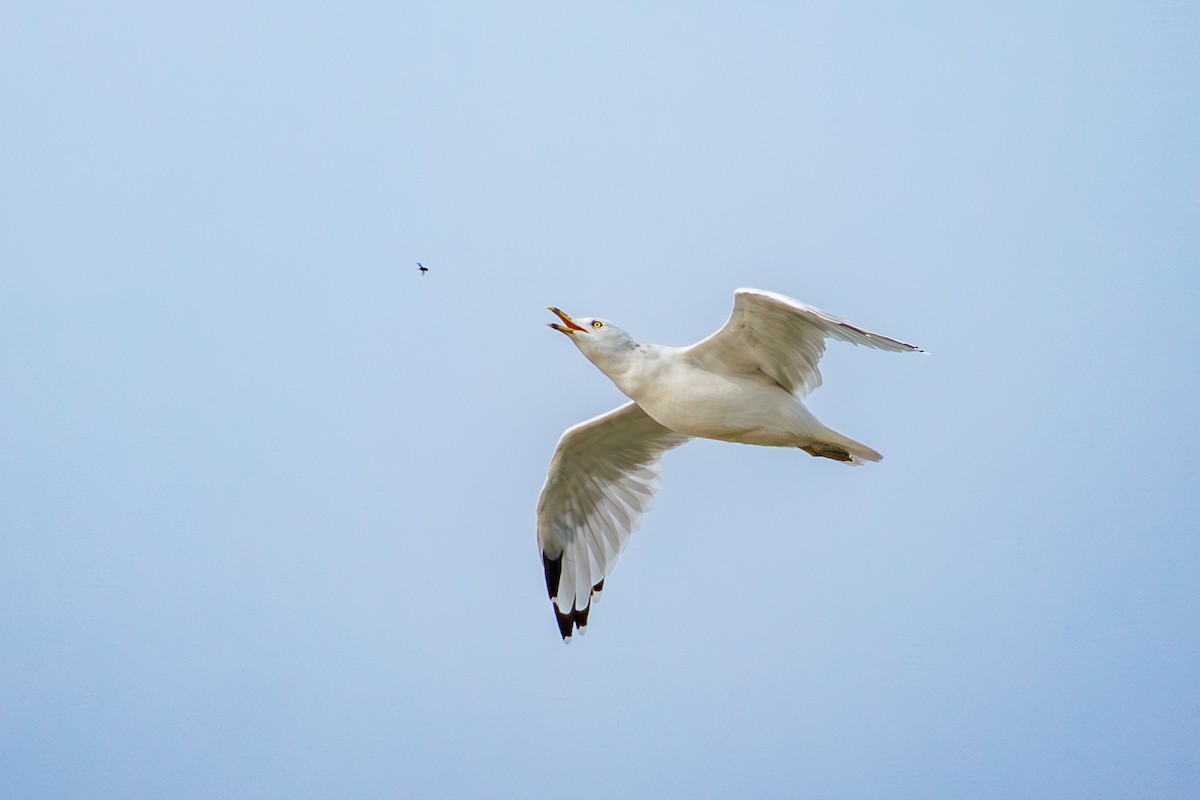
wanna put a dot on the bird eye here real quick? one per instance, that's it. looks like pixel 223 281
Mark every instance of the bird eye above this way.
pixel 597 324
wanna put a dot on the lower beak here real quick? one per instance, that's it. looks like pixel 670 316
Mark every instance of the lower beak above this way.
pixel 570 323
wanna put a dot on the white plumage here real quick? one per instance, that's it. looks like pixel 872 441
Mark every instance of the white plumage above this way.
pixel 744 383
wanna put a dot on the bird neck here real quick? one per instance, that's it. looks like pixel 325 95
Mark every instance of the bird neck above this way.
pixel 632 368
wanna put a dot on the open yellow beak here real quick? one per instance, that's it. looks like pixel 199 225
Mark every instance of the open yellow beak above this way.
pixel 570 323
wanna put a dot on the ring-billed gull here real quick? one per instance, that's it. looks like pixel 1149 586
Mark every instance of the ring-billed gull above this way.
pixel 745 383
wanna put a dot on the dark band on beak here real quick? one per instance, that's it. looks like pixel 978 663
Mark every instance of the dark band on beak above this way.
pixel 570 323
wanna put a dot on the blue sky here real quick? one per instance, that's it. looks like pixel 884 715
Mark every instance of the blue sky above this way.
pixel 267 495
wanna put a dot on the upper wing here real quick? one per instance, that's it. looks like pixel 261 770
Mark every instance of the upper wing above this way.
pixel 602 479
pixel 782 338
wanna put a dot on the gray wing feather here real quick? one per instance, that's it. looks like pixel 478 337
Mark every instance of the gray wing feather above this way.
pixel 602 479
pixel 781 338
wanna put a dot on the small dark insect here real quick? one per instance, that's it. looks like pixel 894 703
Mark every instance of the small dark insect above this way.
pixel 422 267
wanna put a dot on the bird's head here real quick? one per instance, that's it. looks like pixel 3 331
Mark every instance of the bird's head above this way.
pixel 598 339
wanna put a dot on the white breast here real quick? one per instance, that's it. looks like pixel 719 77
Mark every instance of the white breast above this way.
pixel 752 409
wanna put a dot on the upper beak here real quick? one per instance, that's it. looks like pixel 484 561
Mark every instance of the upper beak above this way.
pixel 570 323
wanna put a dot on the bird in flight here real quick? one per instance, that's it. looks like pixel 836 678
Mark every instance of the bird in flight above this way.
pixel 745 383
pixel 422 268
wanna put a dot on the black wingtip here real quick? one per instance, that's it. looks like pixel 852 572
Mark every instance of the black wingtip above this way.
pixel 575 619
pixel 566 623
pixel 553 569
pixel 571 621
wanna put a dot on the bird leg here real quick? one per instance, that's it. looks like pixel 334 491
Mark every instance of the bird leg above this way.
pixel 822 450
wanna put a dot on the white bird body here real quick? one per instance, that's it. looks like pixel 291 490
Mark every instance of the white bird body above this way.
pixel 744 384
pixel 748 408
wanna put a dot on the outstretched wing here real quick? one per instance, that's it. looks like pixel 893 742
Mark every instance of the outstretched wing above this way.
pixel 782 338
pixel 602 479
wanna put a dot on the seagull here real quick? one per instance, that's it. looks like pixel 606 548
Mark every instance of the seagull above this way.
pixel 745 383
pixel 422 267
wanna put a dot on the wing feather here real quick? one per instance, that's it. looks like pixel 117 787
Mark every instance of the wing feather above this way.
pixel 781 338
pixel 602 479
